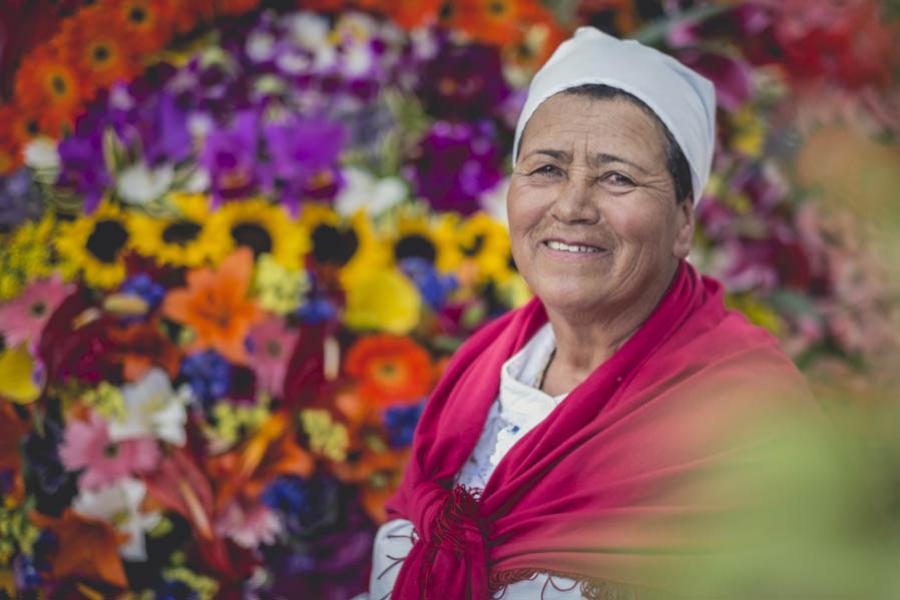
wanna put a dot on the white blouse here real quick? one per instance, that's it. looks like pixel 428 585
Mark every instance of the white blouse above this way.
pixel 519 408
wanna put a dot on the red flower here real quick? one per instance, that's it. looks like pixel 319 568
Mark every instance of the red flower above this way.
pixel 390 369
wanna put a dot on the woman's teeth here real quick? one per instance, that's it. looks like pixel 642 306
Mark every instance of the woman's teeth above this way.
pixel 554 245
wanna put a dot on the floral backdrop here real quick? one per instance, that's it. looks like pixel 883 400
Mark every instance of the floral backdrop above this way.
pixel 240 240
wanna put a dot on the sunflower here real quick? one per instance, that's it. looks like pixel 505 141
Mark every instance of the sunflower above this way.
pixel 389 369
pixel 47 83
pixel 412 233
pixel 263 227
pixel 184 241
pixel 93 42
pixel 347 244
pixel 94 246
pixel 148 24
pixel 483 243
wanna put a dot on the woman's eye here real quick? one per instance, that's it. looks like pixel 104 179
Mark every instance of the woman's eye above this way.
pixel 618 179
pixel 551 170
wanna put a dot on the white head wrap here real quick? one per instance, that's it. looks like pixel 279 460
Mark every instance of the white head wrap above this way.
pixel 682 99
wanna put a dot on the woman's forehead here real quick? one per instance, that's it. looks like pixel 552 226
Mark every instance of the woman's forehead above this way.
pixel 568 123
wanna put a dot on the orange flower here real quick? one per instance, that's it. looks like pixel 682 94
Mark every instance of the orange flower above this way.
pixel 271 452
pixel 413 13
pixel 12 428
pixel 48 84
pixel 142 345
pixel 390 369
pixel 379 470
pixel 93 42
pixel 235 7
pixel 29 122
pixel 88 548
pixel 216 306
pixel 147 24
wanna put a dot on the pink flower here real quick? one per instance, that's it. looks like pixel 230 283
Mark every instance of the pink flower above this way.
pixel 271 344
pixel 87 445
pixel 24 317
pixel 248 527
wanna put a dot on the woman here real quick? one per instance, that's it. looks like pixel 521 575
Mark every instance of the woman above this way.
pixel 570 448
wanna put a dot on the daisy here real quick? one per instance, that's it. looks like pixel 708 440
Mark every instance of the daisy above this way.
pixel 249 527
pixel 389 369
pixel 23 318
pixel 87 445
pixel 271 344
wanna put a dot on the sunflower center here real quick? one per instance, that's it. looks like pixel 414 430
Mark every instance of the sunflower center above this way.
pixel 100 53
pixel 58 84
pixel 107 240
pixel 334 246
pixel 254 236
pixel 181 232
pixel 137 15
pixel 476 246
pixel 38 309
pixel 415 246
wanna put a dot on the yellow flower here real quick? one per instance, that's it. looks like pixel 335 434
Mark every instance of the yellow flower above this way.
pixel 185 240
pixel 383 301
pixel 93 246
pixel 107 400
pixel 347 244
pixel 757 312
pixel 26 255
pixel 326 436
pixel 234 423
pixel 16 371
pixel 415 234
pixel 278 289
pixel 484 242
pixel 264 228
pixel 749 132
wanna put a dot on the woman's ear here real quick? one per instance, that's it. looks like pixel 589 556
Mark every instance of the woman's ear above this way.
pixel 684 233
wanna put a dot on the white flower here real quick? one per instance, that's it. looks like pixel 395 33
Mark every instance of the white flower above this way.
pixel 153 409
pixel 118 504
pixel 493 202
pixel 363 192
pixel 308 30
pixel 138 184
pixel 41 153
pixel 357 60
pixel 260 46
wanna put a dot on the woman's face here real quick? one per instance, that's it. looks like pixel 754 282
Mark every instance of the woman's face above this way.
pixel 593 220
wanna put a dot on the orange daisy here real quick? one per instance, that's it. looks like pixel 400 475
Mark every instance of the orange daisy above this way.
pixel 148 24
pixel 413 13
pixel 94 44
pixel 216 306
pixel 47 83
pixel 390 369
pixel 491 21
pixel 29 122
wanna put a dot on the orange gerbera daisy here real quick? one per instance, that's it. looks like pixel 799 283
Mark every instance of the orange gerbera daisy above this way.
pixel 413 13
pixel 497 22
pixel 148 24
pixel 46 83
pixel 93 42
pixel 390 369
pixel 29 122
pixel 216 306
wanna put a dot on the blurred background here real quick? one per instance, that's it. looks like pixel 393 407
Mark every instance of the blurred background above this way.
pixel 239 240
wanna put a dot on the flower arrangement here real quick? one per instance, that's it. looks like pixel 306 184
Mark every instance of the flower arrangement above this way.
pixel 245 242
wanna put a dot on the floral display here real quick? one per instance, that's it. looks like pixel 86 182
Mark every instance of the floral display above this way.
pixel 240 240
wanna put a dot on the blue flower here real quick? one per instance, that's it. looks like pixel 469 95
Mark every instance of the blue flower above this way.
pixel 209 374
pixel 433 286
pixel 175 590
pixel 401 423
pixel 317 310
pixel 143 285
pixel 287 495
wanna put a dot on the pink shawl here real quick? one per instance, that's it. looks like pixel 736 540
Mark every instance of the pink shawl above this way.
pixel 604 489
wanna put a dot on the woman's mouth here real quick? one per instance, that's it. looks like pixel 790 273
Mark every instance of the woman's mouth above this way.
pixel 573 248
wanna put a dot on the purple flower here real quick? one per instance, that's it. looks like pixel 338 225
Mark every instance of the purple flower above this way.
pixel 209 375
pixel 463 82
pixel 163 131
pixel 143 285
pixel 20 200
pixel 731 76
pixel 298 150
pixel 457 164
pixel 83 167
pixel 230 157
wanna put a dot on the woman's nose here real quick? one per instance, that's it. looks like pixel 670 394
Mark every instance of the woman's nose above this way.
pixel 577 203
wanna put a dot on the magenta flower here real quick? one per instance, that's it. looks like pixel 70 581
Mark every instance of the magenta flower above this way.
pixel 23 318
pixel 86 445
pixel 271 344
pixel 230 157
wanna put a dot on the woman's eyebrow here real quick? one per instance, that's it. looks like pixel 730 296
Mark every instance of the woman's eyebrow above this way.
pixel 604 159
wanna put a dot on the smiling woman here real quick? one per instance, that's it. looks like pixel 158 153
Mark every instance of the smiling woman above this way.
pixel 581 445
